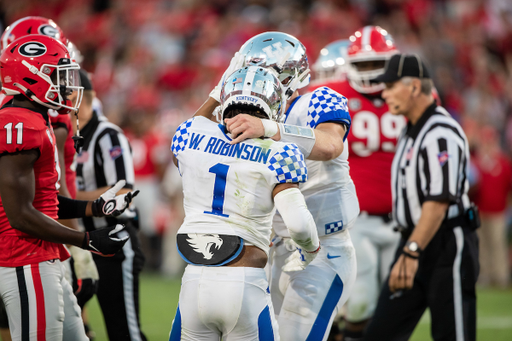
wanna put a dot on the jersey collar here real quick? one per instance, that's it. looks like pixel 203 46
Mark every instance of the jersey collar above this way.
pixel 43 111
pixel 291 107
pixel 88 130
pixel 413 130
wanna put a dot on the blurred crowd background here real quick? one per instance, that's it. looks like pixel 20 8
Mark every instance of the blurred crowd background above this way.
pixel 154 63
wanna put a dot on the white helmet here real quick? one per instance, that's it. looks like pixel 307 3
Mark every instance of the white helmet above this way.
pixel 256 87
pixel 282 52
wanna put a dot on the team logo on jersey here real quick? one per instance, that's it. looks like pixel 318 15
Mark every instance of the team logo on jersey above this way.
pixel 377 102
pixel 115 152
pixel 354 104
pixel 48 30
pixel 32 49
pixel 443 158
pixel 203 243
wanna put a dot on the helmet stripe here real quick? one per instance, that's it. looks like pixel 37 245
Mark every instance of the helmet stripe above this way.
pixel 251 73
pixel 366 38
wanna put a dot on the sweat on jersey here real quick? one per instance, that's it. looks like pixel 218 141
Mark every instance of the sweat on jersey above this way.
pixel 330 194
pixel 228 188
pixel 24 129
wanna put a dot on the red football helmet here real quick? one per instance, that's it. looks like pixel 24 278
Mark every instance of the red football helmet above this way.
pixel 370 48
pixel 32 25
pixel 40 68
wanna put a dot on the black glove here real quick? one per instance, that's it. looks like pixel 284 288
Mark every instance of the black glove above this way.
pixel 103 242
pixel 110 204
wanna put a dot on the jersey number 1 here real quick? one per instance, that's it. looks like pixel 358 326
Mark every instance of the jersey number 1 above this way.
pixel 219 188
pixel 19 137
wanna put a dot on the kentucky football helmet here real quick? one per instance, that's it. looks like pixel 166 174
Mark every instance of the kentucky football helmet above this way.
pixel 254 86
pixel 370 48
pixel 332 62
pixel 40 68
pixel 282 52
pixel 32 25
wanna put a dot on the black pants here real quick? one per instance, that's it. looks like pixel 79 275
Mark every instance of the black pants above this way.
pixel 445 283
pixel 118 290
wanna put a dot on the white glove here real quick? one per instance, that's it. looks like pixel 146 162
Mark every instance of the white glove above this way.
pixel 237 62
pixel 83 263
pixel 110 204
pixel 299 259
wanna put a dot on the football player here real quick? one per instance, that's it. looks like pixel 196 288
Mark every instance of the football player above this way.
pixel 318 122
pixel 229 195
pixel 38 72
pixel 372 142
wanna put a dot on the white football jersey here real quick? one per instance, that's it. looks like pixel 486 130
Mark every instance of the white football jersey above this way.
pixel 330 193
pixel 228 188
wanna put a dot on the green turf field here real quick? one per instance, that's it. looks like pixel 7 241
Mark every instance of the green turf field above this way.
pixel 159 298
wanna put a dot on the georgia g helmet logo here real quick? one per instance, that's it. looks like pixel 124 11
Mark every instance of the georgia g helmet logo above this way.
pixel 32 49
pixel 48 30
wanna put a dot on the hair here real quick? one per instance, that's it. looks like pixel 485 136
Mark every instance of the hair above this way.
pixel 235 109
pixel 426 84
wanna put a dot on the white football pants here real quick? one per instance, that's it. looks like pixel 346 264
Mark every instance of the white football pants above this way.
pixel 232 303
pixel 375 243
pixel 40 303
pixel 307 301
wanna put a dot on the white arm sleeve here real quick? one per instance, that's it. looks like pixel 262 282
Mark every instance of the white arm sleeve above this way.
pixel 291 205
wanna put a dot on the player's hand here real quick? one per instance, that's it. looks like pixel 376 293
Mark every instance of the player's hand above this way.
pixel 103 241
pixel 85 275
pixel 403 273
pixel 299 259
pixel 111 204
pixel 237 62
pixel 244 127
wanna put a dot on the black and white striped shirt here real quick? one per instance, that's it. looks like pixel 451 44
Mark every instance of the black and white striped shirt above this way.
pixel 431 164
pixel 105 158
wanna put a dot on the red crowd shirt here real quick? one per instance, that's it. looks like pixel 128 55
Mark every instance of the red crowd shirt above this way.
pixel 64 121
pixel 23 129
pixel 494 185
pixel 372 142
pixel 147 153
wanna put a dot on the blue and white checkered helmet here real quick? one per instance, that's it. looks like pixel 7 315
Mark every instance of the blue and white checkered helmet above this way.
pixel 284 53
pixel 332 62
pixel 255 86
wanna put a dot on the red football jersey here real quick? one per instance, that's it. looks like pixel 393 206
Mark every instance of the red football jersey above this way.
pixel 69 149
pixel 23 129
pixel 372 143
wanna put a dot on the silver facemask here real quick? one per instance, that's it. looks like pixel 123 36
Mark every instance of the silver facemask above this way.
pixel 282 52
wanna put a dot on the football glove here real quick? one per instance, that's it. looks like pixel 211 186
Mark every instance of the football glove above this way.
pixel 111 204
pixel 85 275
pixel 103 242
pixel 237 62
pixel 299 259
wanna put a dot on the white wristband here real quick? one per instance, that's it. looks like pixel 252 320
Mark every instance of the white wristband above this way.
pixel 271 127
pixel 303 137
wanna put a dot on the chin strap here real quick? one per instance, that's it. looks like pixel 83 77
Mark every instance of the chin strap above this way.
pixel 77 139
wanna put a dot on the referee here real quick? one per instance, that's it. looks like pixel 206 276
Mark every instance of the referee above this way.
pixel 106 158
pixel 436 263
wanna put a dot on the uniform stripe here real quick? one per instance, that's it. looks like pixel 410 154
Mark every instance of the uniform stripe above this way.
pixel 457 285
pixel 25 317
pixel 366 38
pixel 128 290
pixel 265 330
pixel 176 327
pixel 430 164
pixel 41 314
pixel 324 315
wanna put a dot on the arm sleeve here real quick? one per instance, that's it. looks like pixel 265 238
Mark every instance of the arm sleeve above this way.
pixel 70 208
pixel 326 105
pixel 300 223
pixel 180 138
pixel 441 165
pixel 288 165
pixel 117 158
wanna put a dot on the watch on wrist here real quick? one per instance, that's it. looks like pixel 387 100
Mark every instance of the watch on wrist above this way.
pixel 413 247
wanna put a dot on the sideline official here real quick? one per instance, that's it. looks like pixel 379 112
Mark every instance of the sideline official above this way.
pixel 436 263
